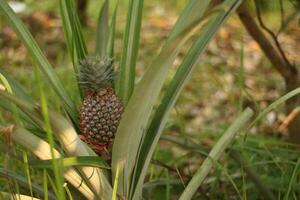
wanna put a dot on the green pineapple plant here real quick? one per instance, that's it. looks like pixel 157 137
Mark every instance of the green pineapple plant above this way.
pixel 124 121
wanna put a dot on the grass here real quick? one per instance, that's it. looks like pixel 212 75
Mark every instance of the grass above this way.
pixel 190 136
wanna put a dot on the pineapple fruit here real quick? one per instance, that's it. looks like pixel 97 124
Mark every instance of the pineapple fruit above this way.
pixel 101 109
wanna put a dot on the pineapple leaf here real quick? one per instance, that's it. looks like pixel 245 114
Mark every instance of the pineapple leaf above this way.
pixel 71 143
pixel 73 34
pixel 92 161
pixel 102 33
pixel 39 58
pixel 112 30
pixel 27 108
pixel 131 129
pixel 130 48
pixel 175 87
pixel 41 149
pixel 73 31
pixel 16 87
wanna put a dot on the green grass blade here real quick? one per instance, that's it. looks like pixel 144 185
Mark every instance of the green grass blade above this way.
pixel 293 180
pixel 45 185
pixel 215 154
pixel 130 48
pixel 52 184
pixel 69 193
pixel 22 181
pixel 174 89
pixel 57 167
pixel 39 58
pixel 92 161
pixel 27 171
pixel 102 30
pixel 132 126
pixel 112 30
pixel 275 104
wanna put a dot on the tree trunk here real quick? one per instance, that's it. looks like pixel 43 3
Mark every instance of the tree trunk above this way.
pixel 289 72
pixel 294 127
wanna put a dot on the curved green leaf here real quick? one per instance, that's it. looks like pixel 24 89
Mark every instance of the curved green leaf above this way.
pixel 275 104
pixel 102 33
pixel 130 48
pixel 73 34
pixel 175 87
pixel 16 87
pixel 132 126
pixel 92 161
pixel 112 30
pixel 39 58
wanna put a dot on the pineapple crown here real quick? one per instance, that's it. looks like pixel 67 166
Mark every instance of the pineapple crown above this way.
pixel 96 73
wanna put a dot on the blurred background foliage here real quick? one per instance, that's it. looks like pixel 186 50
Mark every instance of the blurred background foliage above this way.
pixel 233 74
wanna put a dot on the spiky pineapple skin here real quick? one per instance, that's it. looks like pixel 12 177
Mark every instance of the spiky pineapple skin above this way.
pixel 100 114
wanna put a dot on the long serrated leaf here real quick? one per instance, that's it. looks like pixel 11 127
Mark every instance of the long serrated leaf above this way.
pixel 66 25
pixel 16 87
pixel 73 34
pixel 132 126
pixel 57 167
pixel 9 90
pixel 130 48
pixel 73 146
pixel 39 58
pixel 41 149
pixel 215 154
pixel 92 161
pixel 6 104
pixel 112 30
pixel 102 34
pixel 26 107
pixel 174 89
pixel 115 189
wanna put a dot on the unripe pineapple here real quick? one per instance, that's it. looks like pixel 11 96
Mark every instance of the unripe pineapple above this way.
pixel 101 110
